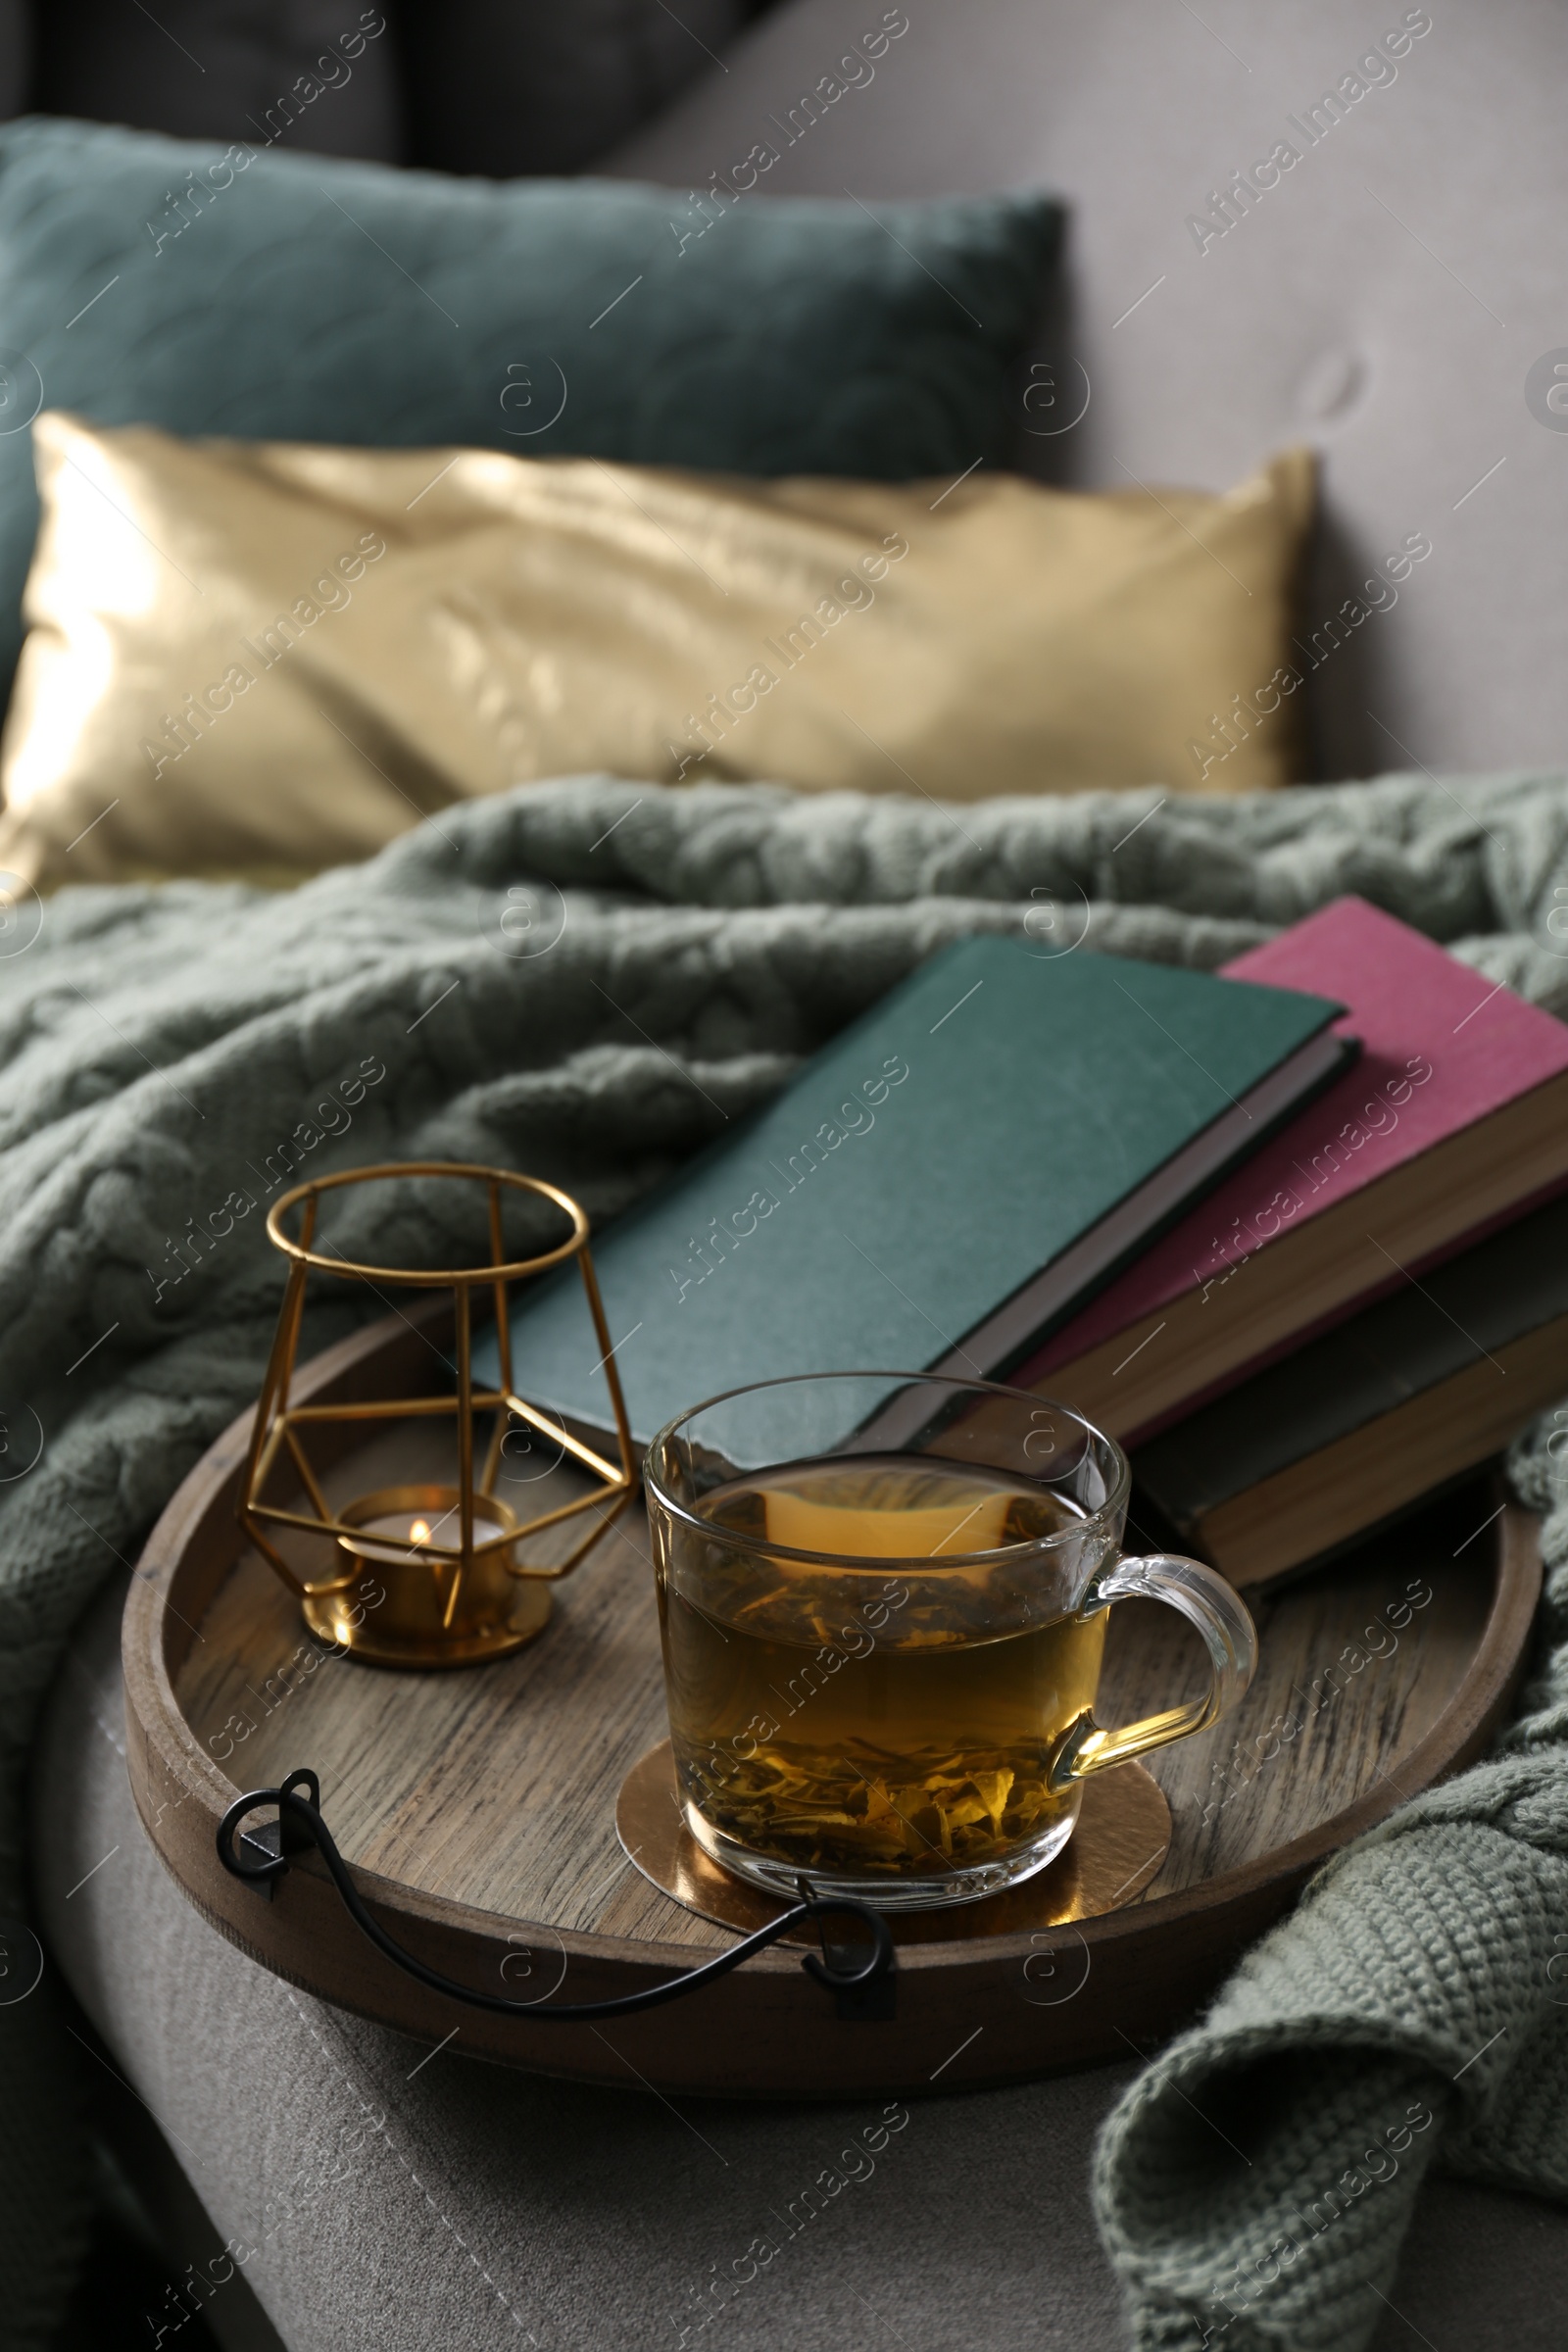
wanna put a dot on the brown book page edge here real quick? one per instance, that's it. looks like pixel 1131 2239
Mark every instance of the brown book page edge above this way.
pixel 1378 1469
pixel 1299 1279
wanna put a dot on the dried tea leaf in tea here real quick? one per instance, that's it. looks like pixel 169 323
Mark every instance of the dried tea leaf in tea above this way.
pixel 880 1720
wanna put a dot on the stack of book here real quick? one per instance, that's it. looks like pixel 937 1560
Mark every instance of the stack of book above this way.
pixel 1377 1301
pixel 1294 1233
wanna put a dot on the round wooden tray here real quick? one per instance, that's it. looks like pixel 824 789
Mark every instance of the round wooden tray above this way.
pixel 479 1808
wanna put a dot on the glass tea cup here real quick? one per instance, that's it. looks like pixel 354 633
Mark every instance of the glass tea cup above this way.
pixel 883 1600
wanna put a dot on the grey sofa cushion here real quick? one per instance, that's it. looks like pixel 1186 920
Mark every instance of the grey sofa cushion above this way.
pixel 501 86
pixel 15 56
pixel 506 86
pixel 224 69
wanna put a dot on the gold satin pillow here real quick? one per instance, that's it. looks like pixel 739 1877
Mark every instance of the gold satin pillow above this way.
pixel 261 659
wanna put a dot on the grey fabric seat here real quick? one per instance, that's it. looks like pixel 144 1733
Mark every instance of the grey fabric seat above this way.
pixel 387 2200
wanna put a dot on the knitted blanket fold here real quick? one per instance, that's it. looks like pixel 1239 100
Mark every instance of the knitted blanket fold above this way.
pixel 1255 2185
pixel 586 980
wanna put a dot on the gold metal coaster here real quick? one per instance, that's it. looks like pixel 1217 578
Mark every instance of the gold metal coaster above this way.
pixel 1119 1846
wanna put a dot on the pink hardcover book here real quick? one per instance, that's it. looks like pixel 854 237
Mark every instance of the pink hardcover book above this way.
pixel 1453 1120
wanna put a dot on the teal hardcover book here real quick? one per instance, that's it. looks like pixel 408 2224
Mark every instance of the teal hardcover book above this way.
pixel 939 1187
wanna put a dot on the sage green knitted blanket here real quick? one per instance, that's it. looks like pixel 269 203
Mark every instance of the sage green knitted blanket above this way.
pixel 586 980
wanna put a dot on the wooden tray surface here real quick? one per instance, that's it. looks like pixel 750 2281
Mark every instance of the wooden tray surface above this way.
pixel 479 1807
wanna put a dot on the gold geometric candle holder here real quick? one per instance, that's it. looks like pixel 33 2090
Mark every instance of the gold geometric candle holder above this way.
pixel 445 1556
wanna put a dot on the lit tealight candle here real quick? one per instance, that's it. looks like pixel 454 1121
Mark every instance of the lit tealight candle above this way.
pixel 399 1537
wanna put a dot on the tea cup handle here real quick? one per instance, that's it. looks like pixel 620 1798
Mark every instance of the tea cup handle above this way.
pixel 1230 1637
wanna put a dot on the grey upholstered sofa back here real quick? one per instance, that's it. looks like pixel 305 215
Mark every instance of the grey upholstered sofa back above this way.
pixel 1386 298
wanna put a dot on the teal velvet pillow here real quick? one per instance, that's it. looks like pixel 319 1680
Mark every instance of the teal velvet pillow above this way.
pixel 159 281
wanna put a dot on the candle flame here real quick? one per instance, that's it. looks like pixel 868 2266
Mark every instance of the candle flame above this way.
pixel 420 1532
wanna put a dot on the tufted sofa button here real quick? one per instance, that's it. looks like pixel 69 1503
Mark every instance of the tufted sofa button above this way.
pixel 1333 384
